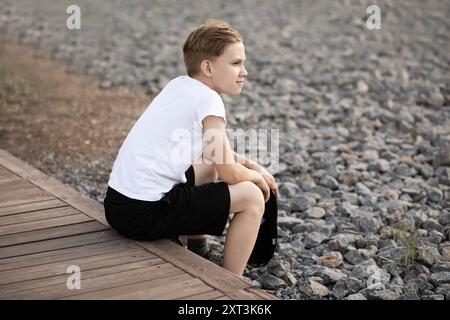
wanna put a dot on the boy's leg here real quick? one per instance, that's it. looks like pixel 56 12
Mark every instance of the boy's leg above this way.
pixel 203 174
pixel 247 204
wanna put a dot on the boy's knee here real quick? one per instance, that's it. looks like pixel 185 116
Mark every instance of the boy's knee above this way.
pixel 255 197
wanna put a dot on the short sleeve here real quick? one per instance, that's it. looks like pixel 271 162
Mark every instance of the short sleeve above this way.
pixel 210 104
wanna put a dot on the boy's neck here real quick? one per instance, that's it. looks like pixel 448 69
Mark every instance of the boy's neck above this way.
pixel 206 81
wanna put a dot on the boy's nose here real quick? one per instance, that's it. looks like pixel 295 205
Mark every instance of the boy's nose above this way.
pixel 244 72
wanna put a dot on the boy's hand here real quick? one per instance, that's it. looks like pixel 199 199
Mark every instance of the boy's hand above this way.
pixel 270 180
pixel 260 182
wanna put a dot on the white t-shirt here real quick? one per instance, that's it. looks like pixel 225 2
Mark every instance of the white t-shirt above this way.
pixel 165 140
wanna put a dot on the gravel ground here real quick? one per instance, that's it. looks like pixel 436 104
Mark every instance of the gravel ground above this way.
pixel 364 120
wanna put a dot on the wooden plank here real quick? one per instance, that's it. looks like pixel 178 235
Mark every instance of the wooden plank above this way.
pixel 44 224
pixel 123 291
pixel 16 165
pixel 14 185
pixel 169 291
pixel 37 215
pixel 72 197
pixel 10 179
pixel 60 267
pixel 26 199
pixel 51 233
pixel 66 254
pixel 13 194
pixel 33 206
pixel 54 244
pixel 212 294
pixel 7 290
pixel 222 298
pixel 53 186
pixel 203 269
pixel 105 282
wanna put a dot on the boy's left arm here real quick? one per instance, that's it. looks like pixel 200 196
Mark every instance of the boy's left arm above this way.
pixel 250 164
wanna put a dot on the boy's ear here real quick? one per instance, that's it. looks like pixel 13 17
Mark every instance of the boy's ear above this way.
pixel 206 68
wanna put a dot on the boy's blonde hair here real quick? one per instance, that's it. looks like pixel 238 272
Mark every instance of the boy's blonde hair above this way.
pixel 207 41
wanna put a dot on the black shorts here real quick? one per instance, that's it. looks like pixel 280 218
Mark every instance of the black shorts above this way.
pixel 185 210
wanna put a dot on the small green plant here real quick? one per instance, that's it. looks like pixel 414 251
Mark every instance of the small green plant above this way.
pixel 406 236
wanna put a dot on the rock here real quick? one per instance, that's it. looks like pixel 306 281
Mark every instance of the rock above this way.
pixel 354 257
pixel 443 289
pixel 432 224
pixel 290 279
pixel 440 278
pixel 434 194
pixel 302 202
pixel 446 254
pixel 315 213
pixel 356 296
pixel 328 275
pixel 369 224
pixel 444 219
pixel 288 222
pixel 370 155
pixel 315 288
pixel 331 260
pixel 382 295
pixel 314 239
pixel 271 282
pixel 382 165
pixel 329 182
pixel 433 297
pixel 362 189
pixel 427 253
pixel 348 178
pixel 346 286
pixel 409 296
pixel 392 254
pixel 303 227
pixel 277 267
pixel 289 189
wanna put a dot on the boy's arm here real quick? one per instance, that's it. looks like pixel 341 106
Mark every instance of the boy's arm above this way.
pixel 247 162
pixel 219 152
pixel 250 164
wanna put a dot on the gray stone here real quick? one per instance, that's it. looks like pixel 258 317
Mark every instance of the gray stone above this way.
pixel 288 222
pixel 434 194
pixel 315 213
pixel 354 257
pixel 356 296
pixel 369 224
pixel 329 182
pixel 314 239
pixel 382 295
pixel 409 296
pixel 289 189
pixel 444 219
pixel 440 278
pixel 382 166
pixel 302 202
pixel 271 282
pixel 427 253
pixel 362 189
pixel 348 178
pixel 433 297
pixel 432 224
pixel 328 275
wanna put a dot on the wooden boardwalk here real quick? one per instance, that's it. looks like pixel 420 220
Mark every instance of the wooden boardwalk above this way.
pixel 46 226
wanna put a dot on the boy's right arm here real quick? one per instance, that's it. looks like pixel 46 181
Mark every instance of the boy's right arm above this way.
pixel 220 153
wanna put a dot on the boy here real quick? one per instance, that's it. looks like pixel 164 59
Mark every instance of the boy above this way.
pixel 164 184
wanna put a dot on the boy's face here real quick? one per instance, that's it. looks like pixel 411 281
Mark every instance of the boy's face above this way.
pixel 228 71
